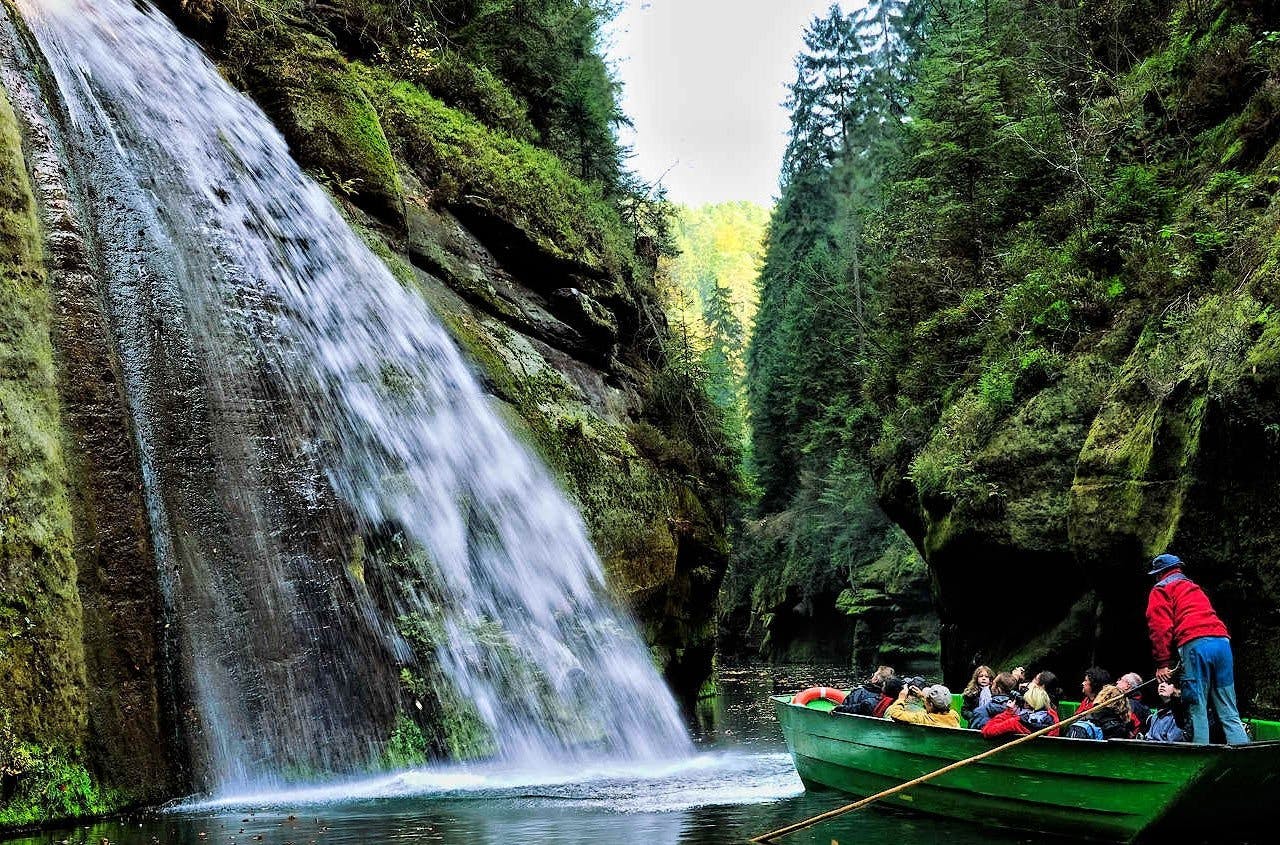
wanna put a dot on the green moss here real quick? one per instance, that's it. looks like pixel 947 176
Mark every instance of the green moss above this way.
pixel 316 100
pixel 473 166
pixel 43 784
pixel 41 653
pixel 463 85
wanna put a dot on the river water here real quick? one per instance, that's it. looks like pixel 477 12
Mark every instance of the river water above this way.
pixel 740 783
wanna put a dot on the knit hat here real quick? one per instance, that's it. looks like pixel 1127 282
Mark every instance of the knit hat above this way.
pixel 1164 562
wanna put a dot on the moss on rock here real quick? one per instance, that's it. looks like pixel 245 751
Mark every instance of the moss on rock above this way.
pixel 316 100
pixel 42 659
pixel 469 165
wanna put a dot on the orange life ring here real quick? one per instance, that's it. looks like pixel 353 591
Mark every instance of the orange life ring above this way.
pixel 814 693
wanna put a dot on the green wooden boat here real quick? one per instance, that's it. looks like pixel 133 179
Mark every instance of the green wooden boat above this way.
pixel 1116 790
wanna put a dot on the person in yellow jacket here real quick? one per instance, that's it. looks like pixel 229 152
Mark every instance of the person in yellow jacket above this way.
pixel 937 708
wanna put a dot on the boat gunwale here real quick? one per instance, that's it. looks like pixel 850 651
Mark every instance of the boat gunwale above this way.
pixel 1131 744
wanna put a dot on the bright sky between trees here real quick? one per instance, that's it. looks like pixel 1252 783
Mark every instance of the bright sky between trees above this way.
pixel 705 80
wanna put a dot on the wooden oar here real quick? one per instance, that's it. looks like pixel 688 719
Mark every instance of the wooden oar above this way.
pixel 902 787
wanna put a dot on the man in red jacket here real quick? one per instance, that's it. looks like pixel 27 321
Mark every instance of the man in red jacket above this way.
pixel 1179 616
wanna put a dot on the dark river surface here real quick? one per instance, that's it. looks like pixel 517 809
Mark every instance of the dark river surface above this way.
pixel 741 783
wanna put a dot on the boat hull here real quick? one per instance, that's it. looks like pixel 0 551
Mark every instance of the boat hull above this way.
pixel 1106 790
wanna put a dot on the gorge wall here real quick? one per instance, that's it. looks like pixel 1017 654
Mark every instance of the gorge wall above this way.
pixel 1026 281
pixel 1112 362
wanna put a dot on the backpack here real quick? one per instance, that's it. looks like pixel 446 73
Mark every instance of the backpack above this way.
pixel 1036 720
pixel 1084 730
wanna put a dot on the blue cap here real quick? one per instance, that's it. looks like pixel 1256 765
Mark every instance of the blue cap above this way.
pixel 1164 562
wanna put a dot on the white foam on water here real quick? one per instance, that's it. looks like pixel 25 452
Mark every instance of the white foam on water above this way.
pixel 722 778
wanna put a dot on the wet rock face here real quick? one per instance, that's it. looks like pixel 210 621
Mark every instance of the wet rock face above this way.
pixel 87 701
pixel 548 308
pixel 563 346
pixel 1147 443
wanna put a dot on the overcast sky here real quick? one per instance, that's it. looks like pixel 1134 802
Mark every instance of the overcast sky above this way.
pixel 704 82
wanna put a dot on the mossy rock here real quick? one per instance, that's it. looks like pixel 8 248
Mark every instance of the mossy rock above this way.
pixel 315 98
pixel 503 181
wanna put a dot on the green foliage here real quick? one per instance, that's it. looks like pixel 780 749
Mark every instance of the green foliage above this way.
pixel 548 52
pixel 42 664
pixel 315 98
pixel 476 167
pixel 708 287
pixel 43 783
pixel 436 721
pixel 407 745
pixel 1076 191
pixel 462 85
pixel 819 531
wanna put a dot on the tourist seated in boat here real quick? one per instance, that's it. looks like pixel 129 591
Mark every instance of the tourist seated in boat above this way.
pixel 892 689
pixel 1001 686
pixel 1035 713
pixel 937 707
pixel 1168 722
pixel 977 693
pixel 1095 678
pixel 1130 684
pixel 1110 717
pixel 1048 682
pixel 863 699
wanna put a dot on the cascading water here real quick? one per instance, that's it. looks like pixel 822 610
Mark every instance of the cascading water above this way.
pixel 292 401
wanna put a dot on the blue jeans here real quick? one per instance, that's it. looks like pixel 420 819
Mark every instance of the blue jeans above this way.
pixel 1208 680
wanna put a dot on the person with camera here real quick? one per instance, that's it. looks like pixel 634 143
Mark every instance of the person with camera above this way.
pixel 937 710
pixel 1023 714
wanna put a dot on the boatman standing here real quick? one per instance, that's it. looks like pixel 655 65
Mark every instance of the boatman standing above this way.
pixel 1179 616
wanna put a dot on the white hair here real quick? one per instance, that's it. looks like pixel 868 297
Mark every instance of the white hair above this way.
pixel 1133 679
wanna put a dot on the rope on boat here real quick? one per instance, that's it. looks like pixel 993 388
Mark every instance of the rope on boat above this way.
pixel 902 787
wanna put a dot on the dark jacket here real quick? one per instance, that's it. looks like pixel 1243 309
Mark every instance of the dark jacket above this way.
pixel 993 708
pixel 1112 725
pixel 969 704
pixel 861 701
pixel 1169 723
pixel 1165 726
pixel 1139 708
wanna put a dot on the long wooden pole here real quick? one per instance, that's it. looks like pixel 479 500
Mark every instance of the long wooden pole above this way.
pixel 902 787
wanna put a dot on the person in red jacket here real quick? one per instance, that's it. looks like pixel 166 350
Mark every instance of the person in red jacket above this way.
pixel 892 686
pixel 1038 713
pixel 1179 616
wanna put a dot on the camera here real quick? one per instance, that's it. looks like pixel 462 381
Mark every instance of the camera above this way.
pixel 915 684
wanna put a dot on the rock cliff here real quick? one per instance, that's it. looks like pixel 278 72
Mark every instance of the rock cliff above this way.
pixel 1131 409
pixel 528 267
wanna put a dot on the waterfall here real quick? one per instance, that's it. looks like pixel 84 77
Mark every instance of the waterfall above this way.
pixel 330 492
